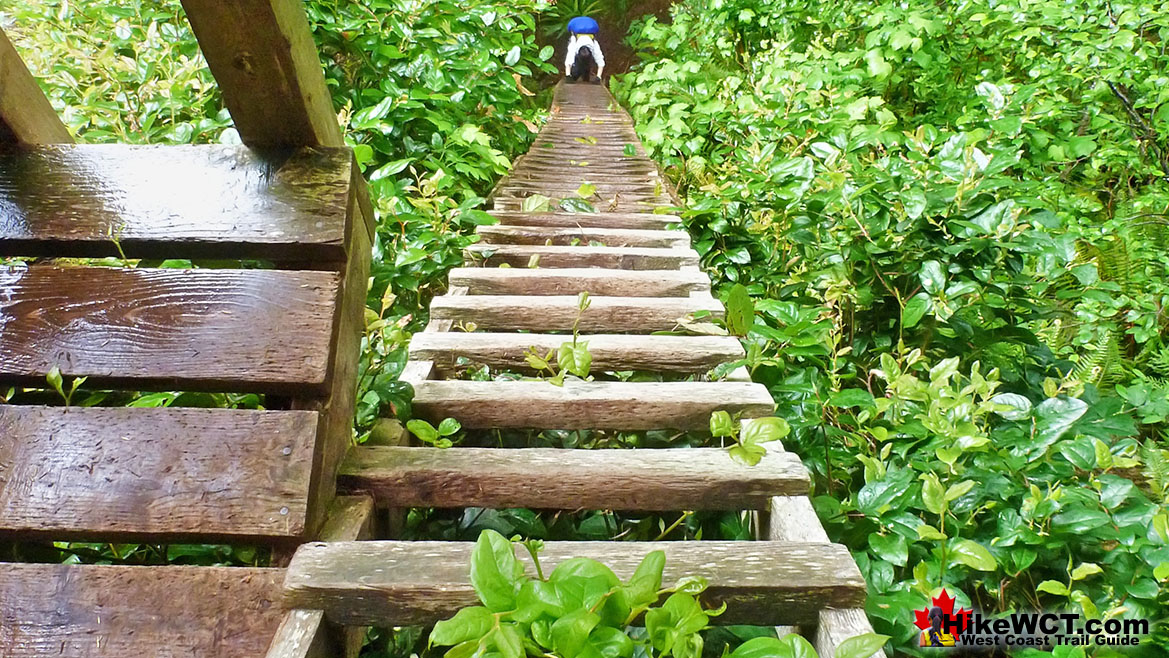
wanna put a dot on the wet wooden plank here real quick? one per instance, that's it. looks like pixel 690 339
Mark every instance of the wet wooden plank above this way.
pixel 567 236
pixel 627 258
pixel 559 312
pixel 588 405
pixel 26 115
pixel 684 354
pixel 263 56
pixel 162 474
pixel 570 281
pixel 594 220
pixel 219 330
pixel 156 202
pixel 51 610
pixel 551 478
pixel 403 583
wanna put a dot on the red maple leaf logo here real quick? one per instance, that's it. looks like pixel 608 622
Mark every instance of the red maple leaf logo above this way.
pixel 921 618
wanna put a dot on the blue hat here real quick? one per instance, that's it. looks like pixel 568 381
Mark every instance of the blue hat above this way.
pixel 583 25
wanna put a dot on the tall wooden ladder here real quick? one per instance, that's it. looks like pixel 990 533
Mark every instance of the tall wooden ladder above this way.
pixel 644 279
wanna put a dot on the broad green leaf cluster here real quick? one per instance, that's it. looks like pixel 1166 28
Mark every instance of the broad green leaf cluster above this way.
pixel 951 224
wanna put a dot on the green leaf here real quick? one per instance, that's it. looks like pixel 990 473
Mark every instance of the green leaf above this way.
pixel 630 150
pixel 1012 406
pixel 495 571
pixel 933 277
pixel 1052 587
pixel 509 642
pixel 861 646
pixel 721 424
pixel 762 430
pixel 878 67
pixel 1086 569
pixel 647 580
pixel 535 203
pixel 762 647
pixel 932 494
pixel 448 426
pixel 913 200
pixel 586 190
pixel 577 205
pixel 611 643
pixel 512 56
pixel 915 309
pixel 851 397
pixel 423 430
pixel 749 454
pixel 891 548
pixel 56 380
pixel 570 632
pixel 575 359
pixel 973 555
pixel 467 624
pixel 546 53
pixel 740 310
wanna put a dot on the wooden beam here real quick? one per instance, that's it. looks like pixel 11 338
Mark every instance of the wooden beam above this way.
pixel 625 258
pixel 26 116
pixel 561 312
pixel 263 55
pixel 570 281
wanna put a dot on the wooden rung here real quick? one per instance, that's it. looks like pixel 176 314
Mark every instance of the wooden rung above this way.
pixel 159 202
pixel 117 473
pixel 418 583
pixel 627 258
pixel 588 405
pixel 55 610
pixel 551 478
pixel 219 330
pixel 559 312
pixel 609 351
pixel 566 236
pixel 26 115
pixel 571 281
pixel 595 220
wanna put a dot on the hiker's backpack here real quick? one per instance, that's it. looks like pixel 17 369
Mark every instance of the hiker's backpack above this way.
pixel 583 25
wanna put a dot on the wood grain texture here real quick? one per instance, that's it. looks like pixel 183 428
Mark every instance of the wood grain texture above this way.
pixel 156 202
pixel 625 258
pixel 302 634
pixel 154 473
pixel 558 313
pixel 687 354
pixel 587 405
pixel 403 583
pixel 550 478
pixel 220 330
pixel 836 625
pixel 535 235
pixel 570 281
pixel 50 610
pixel 263 56
pixel 595 220
pixel 26 116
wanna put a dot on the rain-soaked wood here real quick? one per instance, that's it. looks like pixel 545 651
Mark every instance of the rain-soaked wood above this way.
pixel 533 235
pixel 26 115
pixel 593 220
pixel 262 54
pixel 626 258
pixel 686 354
pixel 218 330
pixel 56 610
pixel 160 474
pixel 570 281
pixel 405 583
pixel 588 405
pixel 552 478
pixel 560 312
pixel 157 202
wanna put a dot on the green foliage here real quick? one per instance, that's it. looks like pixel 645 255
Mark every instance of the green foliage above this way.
pixel 951 225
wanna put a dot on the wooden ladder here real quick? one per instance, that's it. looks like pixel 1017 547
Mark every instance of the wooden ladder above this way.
pixel 642 280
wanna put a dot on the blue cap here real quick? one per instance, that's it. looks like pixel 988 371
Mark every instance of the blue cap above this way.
pixel 583 25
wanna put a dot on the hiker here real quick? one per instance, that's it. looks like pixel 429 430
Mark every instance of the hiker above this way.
pixel 584 53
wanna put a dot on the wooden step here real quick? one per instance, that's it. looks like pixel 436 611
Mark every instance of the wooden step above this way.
pixel 588 405
pixel 534 235
pixel 220 202
pixel 592 220
pixel 154 474
pixel 686 354
pixel 625 258
pixel 551 478
pixel 417 583
pixel 57 610
pixel 570 281
pixel 560 312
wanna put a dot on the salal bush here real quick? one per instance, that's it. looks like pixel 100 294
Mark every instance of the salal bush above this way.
pixel 953 226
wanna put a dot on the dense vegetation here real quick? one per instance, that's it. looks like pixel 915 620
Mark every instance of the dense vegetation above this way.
pixel 952 224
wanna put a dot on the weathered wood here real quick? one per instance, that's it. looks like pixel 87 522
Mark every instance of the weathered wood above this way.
pixel 527 235
pixel 558 313
pixel 570 281
pixel 219 330
pixel 587 405
pixel 262 54
pixel 154 473
pixel 302 634
pixel 627 258
pixel 350 519
pixel 609 351
pixel 835 625
pixel 158 202
pixel 594 220
pixel 551 478
pixel 26 116
pixel 53 610
pixel 404 583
